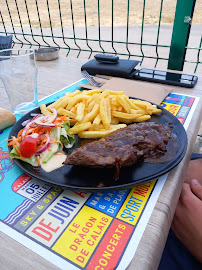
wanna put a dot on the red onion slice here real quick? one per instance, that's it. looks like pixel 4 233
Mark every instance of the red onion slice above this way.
pixel 41 121
pixel 35 114
pixel 26 122
pixel 26 128
pixel 46 120
pixel 53 117
pixel 45 146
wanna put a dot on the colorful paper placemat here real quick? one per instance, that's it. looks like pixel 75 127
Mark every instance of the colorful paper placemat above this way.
pixel 79 229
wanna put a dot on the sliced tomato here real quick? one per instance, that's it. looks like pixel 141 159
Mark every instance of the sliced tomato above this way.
pixel 28 145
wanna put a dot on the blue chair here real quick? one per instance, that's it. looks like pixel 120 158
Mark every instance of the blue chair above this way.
pixel 5 43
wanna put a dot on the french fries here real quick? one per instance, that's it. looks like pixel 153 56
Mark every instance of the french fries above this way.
pixel 79 128
pixel 96 134
pixel 98 112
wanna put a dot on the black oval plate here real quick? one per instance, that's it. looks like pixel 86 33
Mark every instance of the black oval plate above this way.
pixel 76 177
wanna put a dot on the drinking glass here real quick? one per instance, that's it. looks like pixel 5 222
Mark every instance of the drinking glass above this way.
pixel 18 72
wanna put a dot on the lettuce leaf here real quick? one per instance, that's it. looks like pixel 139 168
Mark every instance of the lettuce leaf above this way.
pixel 67 139
pixel 33 160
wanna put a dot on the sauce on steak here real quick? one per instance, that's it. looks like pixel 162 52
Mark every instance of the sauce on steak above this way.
pixel 124 147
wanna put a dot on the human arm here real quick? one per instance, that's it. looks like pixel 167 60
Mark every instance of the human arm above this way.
pixel 194 171
pixel 187 222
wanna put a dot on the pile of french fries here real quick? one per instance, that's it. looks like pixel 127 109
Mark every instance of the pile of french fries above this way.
pixel 99 112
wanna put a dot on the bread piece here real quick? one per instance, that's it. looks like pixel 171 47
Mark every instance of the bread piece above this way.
pixel 7 118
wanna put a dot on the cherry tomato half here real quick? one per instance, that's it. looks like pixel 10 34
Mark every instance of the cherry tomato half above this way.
pixel 28 145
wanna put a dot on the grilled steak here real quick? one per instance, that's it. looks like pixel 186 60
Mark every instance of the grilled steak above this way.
pixel 123 147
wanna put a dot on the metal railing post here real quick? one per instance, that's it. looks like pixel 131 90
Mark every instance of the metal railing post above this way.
pixel 180 36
